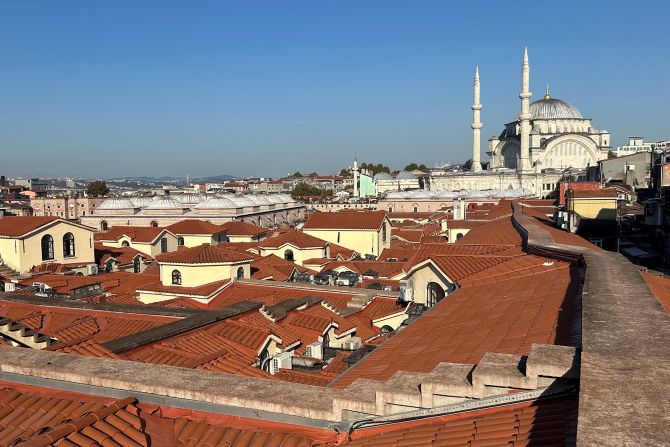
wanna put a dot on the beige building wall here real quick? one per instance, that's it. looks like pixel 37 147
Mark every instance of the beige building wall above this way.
pixel 191 240
pixel 151 249
pixel 420 279
pixel 21 254
pixel 371 242
pixel 194 275
pixel 597 208
pixel 300 255
pixel 65 207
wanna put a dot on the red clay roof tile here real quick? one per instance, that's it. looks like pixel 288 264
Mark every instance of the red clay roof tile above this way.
pixel 346 220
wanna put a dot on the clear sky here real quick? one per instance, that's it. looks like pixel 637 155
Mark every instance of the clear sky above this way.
pixel 93 88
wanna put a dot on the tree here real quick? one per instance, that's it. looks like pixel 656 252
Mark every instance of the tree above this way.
pixel 610 155
pixel 313 174
pixel 305 189
pixel 415 167
pixel 376 169
pixel 344 172
pixel 468 164
pixel 297 174
pixel 97 188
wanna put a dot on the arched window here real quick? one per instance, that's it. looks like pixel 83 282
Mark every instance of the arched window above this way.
pixel 68 245
pixel 176 277
pixel 154 223
pixel 47 247
pixel 240 272
pixel 288 255
pixel 125 244
pixel 386 329
pixel 103 225
pixel 434 294
pixel 180 241
pixel 109 266
pixel 136 264
pixel 459 235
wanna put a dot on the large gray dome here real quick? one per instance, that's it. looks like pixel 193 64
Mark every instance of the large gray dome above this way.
pixel 116 203
pixel 549 108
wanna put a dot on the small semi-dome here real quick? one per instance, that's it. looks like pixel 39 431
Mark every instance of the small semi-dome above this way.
pixel 382 176
pixel 116 203
pixel 141 202
pixel 405 175
pixel 216 203
pixel 164 203
pixel 189 199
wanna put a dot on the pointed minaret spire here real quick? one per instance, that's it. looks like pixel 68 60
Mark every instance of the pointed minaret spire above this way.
pixel 546 92
pixel 476 124
pixel 524 117
pixel 355 169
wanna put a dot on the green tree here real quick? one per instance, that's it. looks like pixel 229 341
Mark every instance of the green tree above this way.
pixel 297 174
pixel 304 189
pixel 415 167
pixel 313 174
pixel 344 172
pixel 468 164
pixel 97 188
pixel 611 155
pixel 376 169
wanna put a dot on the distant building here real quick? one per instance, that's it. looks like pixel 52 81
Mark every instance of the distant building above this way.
pixel 635 145
pixel 633 170
pixel 34 184
pixel 65 207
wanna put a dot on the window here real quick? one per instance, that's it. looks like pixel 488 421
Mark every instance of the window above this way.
pixel 103 225
pixel 338 237
pixel 164 246
pixel 154 223
pixel 109 266
pixel 416 209
pixel 47 247
pixel 125 244
pixel 136 264
pixel 180 241
pixel 434 294
pixel 68 245
pixel 176 277
pixel 459 235
pixel 384 232
pixel 288 255
pixel 240 272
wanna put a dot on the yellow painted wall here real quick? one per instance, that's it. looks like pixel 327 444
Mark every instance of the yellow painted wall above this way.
pixel 299 255
pixel 595 208
pixel 22 254
pixel 393 321
pixel 452 233
pixel 148 249
pixel 420 279
pixel 198 274
pixel 241 239
pixel 362 241
pixel 197 240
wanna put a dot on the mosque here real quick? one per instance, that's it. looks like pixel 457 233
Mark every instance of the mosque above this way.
pixel 547 138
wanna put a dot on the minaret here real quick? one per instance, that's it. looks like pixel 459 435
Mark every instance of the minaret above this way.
pixel 355 169
pixel 476 126
pixel 524 116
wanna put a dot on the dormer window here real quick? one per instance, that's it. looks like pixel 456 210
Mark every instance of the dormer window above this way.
pixel 176 277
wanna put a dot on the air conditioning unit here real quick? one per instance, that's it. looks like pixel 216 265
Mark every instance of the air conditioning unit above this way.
pixel 91 269
pixel 406 293
pixel 10 287
pixel 315 350
pixel 353 344
pixel 281 361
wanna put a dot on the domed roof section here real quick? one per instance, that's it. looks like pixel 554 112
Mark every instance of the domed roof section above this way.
pixel 260 200
pixel 275 199
pixel 405 175
pixel 549 108
pixel 141 202
pixel 164 203
pixel 116 203
pixel 286 198
pixel 242 201
pixel 382 176
pixel 189 199
pixel 216 203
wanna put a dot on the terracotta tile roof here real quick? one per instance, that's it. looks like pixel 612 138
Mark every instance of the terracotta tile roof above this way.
pixel 123 255
pixel 338 251
pixel 604 193
pixel 394 284
pixel 401 254
pixel 44 419
pixel 136 234
pixel 195 227
pixel 89 348
pixel 515 267
pixel 296 238
pixel 203 254
pixel 63 284
pixel 205 290
pixel 458 268
pixel 384 269
pixel 544 422
pixel 16 226
pixel 274 267
pixel 346 220
pixel 381 307
pixel 407 235
pixel 504 317
pixel 315 378
pixel 239 228
pixel 266 294
pixel 660 287
pixel 497 232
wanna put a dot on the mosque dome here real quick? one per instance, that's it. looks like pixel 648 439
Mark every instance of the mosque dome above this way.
pixel 286 198
pixel 260 200
pixel 164 203
pixel 216 203
pixel 549 108
pixel 275 199
pixel 382 176
pixel 404 175
pixel 116 203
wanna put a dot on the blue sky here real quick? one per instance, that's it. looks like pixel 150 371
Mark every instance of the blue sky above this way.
pixel 267 87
